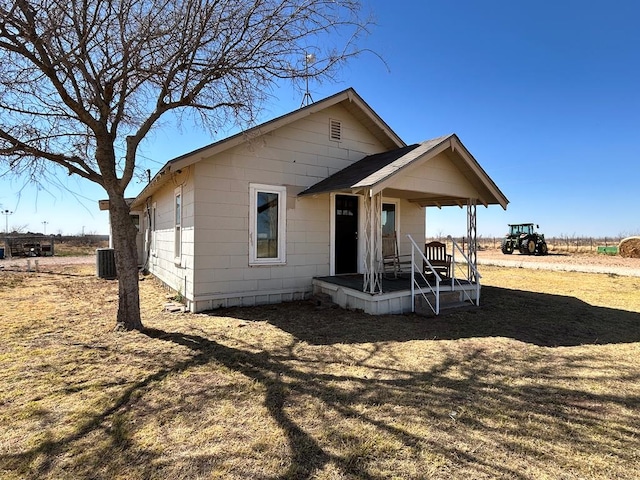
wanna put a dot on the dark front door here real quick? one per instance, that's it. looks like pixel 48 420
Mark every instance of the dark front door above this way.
pixel 346 241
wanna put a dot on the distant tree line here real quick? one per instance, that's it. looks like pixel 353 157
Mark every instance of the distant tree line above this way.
pixel 87 239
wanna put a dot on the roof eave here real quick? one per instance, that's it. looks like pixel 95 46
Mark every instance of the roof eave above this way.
pixel 103 205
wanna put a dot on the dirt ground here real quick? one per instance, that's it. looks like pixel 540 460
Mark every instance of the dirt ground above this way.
pixel 20 263
pixel 537 383
pixel 575 262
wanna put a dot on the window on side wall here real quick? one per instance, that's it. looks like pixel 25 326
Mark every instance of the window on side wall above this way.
pixel 135 218
pixel 177 245
pixel 152 220
pixel 267 224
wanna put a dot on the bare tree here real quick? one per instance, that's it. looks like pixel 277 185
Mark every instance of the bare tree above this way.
pixel 82 82
pixel 19 229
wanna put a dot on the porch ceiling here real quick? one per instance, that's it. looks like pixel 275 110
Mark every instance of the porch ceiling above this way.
pixel 426 199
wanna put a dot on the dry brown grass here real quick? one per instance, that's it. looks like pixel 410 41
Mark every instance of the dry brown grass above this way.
pixel 79 248
pixel 541 382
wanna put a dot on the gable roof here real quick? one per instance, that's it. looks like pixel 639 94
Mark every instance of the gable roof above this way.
pixel 349 99
pixel 376 172
pixel 358 174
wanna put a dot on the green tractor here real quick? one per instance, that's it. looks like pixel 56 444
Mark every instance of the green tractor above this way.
pixel 525 239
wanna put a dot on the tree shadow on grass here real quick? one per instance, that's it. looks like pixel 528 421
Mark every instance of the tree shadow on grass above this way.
pixel 283 382
pixel 460 427
pixel 43 271
pixel 451 389
pixel 307 454
pixel 535 318
pixel 430 393
pixel 39 461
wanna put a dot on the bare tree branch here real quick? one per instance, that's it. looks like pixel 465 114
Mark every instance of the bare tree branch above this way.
pixel 82 79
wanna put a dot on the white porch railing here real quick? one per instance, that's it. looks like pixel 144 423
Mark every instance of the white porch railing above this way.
pixel 472 272
pixel 416 287
pixel 427 287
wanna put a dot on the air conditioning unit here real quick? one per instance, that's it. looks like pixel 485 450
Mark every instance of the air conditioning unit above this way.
pixel 106 263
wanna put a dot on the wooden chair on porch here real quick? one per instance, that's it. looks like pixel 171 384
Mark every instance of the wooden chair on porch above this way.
pixel 440 260
pixel 392 261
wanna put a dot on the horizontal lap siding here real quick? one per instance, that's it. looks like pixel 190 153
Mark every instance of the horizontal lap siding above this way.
pixel 439 176
pixel 178 276
pixel 296 156
pixel 412 222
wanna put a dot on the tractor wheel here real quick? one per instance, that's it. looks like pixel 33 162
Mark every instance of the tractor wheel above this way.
pixel 529 246
pixel 542 248
pixel 507 246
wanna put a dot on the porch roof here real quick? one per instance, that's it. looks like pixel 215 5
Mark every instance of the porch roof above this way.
pixel 383 170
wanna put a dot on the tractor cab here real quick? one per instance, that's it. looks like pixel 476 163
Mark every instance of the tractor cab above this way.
pixel 521 228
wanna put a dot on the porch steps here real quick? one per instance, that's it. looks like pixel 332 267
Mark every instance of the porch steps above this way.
pixel 451 307
pixel 448 304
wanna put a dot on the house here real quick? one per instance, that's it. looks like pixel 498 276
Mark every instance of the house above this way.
pixel 276 212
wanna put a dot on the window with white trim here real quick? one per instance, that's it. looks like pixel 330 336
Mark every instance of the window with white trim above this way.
pixel 153 228
pixel 267 224
pixel 177 245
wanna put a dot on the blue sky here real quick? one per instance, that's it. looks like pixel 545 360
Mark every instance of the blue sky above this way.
pixel 545 95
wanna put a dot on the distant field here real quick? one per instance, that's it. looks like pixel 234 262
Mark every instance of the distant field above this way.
pixel 555 244
pixel 69 246
pixel 540 382
pixel 74 248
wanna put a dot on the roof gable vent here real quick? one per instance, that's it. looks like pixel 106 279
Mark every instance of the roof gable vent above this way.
pixel 335 130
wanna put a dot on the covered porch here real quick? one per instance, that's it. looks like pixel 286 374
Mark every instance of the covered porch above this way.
pixel 437 173
pixel 407 291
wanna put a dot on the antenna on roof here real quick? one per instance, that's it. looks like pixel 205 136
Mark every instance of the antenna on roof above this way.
pixel 306 99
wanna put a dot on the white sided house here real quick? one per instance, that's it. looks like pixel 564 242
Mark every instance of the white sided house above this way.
pixel 300 204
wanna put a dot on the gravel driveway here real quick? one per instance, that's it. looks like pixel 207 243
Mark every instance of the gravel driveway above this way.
pixel 589 263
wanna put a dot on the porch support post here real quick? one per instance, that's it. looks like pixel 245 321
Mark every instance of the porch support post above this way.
pixel 472 240
pixel 372 243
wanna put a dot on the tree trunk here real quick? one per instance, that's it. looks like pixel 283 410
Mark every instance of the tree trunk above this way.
pixel 123 232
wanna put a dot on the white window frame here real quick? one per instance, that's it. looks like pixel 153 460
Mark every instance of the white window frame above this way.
pixel 177 224
pixel 154 235
pixel 281 191
pixel 136 219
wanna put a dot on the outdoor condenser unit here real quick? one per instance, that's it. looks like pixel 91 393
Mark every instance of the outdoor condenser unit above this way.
pixel 106 263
